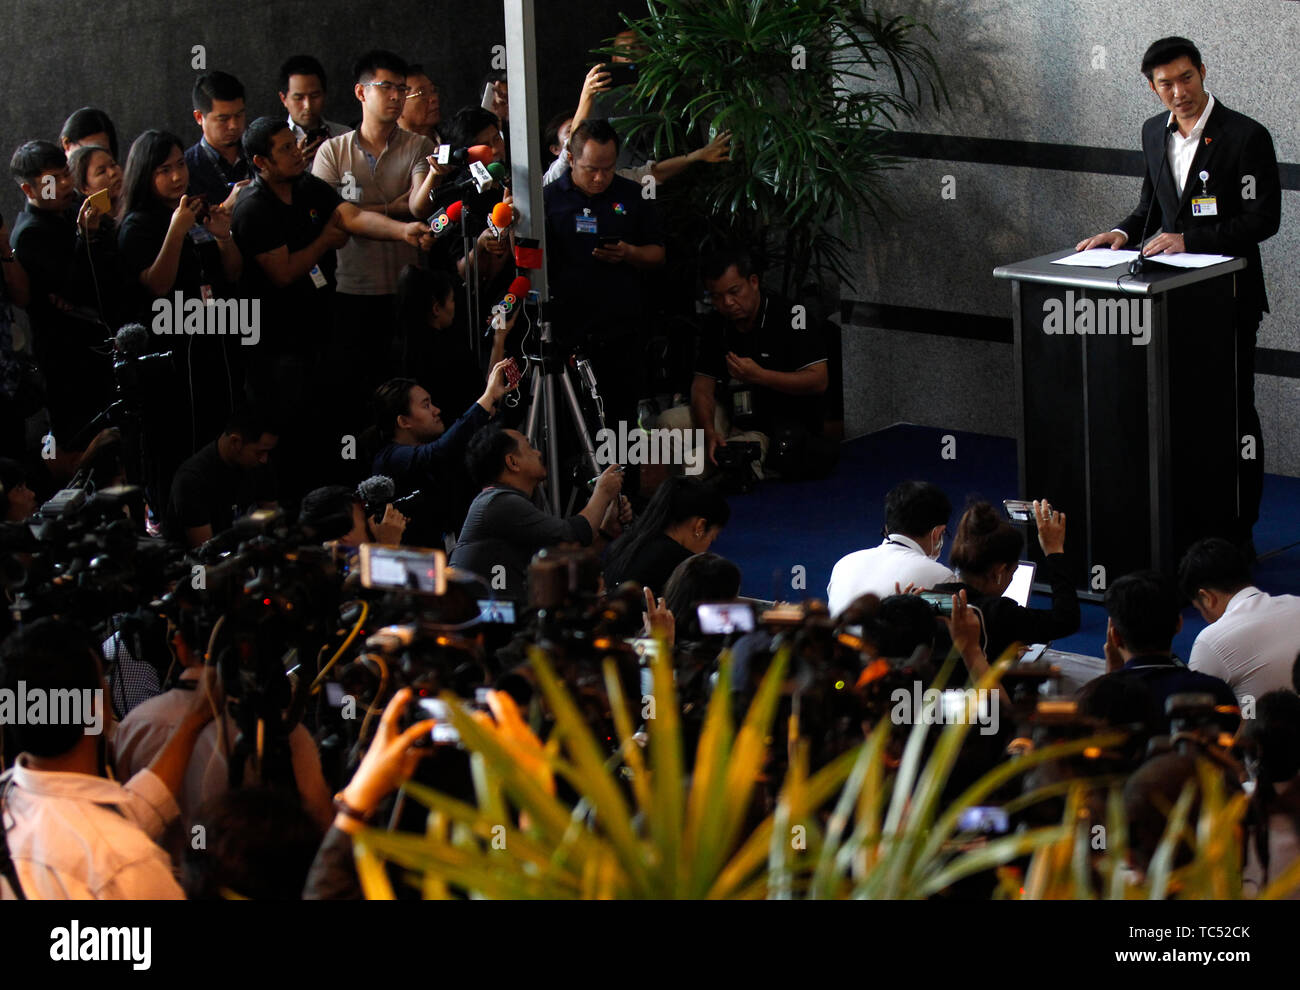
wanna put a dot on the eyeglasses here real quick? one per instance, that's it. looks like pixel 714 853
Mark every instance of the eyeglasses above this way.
pixel 401 89
pixel 431 94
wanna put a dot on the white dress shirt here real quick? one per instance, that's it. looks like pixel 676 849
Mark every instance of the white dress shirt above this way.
pixel 1183 149
pixel 899 560
pixel 1253 645
pixel 78 837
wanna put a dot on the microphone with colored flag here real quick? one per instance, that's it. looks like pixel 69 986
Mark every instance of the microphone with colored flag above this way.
pixel 513 299
pixel 501 219
pixel 447 155
pixel 446 218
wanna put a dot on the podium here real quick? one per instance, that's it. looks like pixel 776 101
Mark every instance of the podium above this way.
pixel 1126 407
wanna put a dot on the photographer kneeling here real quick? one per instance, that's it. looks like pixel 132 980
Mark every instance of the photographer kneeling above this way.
pixel 760 376
pixel 504 528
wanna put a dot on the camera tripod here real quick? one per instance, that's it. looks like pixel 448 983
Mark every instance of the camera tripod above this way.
pixel 551 376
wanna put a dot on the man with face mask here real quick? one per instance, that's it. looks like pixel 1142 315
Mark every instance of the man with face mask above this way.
pixel 916 522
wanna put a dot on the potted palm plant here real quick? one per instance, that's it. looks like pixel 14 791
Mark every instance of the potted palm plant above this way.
pixel 810 91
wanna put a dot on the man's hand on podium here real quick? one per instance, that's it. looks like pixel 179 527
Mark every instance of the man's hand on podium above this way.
pixel 1113 239
pixel 1164 244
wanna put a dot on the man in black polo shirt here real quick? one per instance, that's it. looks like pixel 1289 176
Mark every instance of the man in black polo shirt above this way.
pixel 288 225
pixel 223 481
pixel 64 267
pixel 1144 619
pixel 602 237
pixel 760 369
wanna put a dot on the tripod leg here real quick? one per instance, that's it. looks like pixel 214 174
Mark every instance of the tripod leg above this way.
pixel 537 407
pixel 579 424
pixel 552 444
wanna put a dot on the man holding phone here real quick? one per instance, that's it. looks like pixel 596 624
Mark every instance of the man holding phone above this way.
pixel 302 93
pixel 603 236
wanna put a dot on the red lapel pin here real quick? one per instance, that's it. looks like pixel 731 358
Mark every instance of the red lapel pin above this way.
pixel 1208 140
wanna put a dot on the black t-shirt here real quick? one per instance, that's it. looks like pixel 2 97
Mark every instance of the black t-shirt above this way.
pixel 296 314
pixel 776 343
pixel 138 243
pixel 68 346
pixel 597 297
pixel 208 492
pixel 653 564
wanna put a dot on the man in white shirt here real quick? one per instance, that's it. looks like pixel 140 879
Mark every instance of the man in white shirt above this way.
pixel 1253 637
pixel 916 520
pixel 1211 186
pixel 73 833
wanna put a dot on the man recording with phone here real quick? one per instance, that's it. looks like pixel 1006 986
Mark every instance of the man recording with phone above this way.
pixel 504 528
pixel 302 93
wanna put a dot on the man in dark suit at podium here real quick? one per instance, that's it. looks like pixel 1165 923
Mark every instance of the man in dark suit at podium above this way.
pixel 1218 193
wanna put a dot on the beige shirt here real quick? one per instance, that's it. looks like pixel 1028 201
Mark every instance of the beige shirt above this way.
pixel 367 267
pixel 78 837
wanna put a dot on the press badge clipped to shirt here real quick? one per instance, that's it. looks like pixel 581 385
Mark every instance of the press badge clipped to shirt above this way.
pixel 206 292
pixel 742 404
pixel 318 278
pixel 586 224
pixel 1205 206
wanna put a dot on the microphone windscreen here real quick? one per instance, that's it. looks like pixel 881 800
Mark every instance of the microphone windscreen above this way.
pixel 502 215
pixel 498 171
pixel 377 491
pixel 132 338
pixel 455 210
pixel 479 153
pixel 520 286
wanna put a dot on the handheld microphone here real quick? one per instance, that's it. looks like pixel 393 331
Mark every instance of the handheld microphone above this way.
pixel 502 217
pixel 514 297
pixel 499 173
pixel 447 155
pixel 444 219
pixel 1138 265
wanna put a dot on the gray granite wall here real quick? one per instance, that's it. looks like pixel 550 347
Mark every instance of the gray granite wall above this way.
pixel 1064 73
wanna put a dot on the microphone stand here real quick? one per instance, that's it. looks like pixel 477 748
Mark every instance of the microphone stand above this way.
pixel 1138 265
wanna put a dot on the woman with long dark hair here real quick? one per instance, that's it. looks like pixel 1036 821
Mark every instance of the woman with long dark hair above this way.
pixel 684 517
pixel 169 244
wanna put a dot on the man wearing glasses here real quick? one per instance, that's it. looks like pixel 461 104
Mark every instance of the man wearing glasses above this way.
pixel 423 111
pixel 382 169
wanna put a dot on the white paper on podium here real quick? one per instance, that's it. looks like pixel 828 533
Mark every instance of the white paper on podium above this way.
pixel 1190 260
pixel 1097 258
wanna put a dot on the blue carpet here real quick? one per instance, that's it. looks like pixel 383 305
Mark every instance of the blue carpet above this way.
pixel 786 536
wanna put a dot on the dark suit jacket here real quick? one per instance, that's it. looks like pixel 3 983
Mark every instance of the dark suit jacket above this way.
pixel 1232 147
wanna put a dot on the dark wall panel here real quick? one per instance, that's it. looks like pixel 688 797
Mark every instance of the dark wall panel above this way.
pixel 132 58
